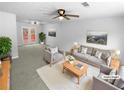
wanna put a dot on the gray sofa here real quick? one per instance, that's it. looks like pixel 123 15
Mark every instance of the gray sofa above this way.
pixel 90 58
pixel 101 84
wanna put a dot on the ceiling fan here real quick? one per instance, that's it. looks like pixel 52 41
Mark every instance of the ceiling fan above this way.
pixel 62 15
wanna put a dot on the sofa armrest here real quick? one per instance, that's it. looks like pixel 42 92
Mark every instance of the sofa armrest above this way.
pixel 61 51
pixel 48 56
pixel 99 84
pixel 104 69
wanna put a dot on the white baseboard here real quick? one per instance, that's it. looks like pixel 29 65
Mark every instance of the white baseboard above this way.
pixel 15 57
pixel 29 45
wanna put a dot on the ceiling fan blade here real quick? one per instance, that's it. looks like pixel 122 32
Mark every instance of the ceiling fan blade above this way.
pixel 66 17
pixel 55 17
pixel 72 15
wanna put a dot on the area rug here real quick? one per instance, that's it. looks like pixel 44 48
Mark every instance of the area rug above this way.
pixel 56 80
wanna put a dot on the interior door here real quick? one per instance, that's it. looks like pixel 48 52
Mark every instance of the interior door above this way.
pixel 25 35
pixel 32 35
pixel 29 35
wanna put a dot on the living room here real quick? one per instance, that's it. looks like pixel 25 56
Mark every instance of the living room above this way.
pixel 95 25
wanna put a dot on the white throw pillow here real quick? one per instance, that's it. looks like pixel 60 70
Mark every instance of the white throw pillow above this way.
pixel 84 50
pixel 109 61
pixel 98 54
pixel 54 50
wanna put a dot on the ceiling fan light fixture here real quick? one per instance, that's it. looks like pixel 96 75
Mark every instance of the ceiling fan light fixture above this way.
pixel 85 4
pixel 61 12
pixel 61 18
pixel 35 22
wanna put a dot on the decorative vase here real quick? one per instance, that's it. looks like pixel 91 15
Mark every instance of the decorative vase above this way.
pixel 41 43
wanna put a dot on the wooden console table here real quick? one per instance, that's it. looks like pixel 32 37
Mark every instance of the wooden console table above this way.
pixel 5 77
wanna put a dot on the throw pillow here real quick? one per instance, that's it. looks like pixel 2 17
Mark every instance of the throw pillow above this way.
pixel 80 48
pixel 54 50
pixel 89 50
pixel 119 83
pixel 98 54
pixel 112 73
pixel 84 50
pixel 105 55
pixel 109 61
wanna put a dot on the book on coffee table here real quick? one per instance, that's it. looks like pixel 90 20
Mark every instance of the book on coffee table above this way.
pixel 79 66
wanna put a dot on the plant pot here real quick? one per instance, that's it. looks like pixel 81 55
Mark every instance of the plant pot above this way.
pixel 0 68
pixel 41 43
pixel 5 57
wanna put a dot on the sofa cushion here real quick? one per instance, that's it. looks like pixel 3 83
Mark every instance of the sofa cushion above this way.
pixel 57 57
pixel 90 59
pixel 84 57
pixel 119 83
pixel 96 60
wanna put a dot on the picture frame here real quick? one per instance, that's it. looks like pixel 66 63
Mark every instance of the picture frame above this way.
pixel 52 34
pixel 97 38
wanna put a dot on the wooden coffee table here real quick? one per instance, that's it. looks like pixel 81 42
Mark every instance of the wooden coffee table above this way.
pixel 75 71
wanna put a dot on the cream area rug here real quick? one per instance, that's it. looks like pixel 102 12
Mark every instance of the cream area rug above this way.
pixel 55 79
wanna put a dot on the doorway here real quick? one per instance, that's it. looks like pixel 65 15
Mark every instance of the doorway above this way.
pixel 29 35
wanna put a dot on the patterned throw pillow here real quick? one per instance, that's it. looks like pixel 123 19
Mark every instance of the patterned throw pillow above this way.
pixel 105 55
pixel 80 48
pixel 98 54
pixel 109 61
pixel 89 50
pixel 84 50
pixel 54 50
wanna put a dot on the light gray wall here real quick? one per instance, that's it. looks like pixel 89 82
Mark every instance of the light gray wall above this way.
pixel 8 28
pixel 76 31
pixel 19 31
pixel 52 41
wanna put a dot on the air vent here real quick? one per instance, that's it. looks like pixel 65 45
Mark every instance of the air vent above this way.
pixel 85 4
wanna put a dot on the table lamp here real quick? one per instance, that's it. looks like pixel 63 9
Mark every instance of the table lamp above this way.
pixel 117 54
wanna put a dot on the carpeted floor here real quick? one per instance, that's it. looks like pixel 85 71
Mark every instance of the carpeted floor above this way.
pixel 23 70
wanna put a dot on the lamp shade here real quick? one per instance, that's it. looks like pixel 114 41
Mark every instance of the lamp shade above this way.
pixel 117 52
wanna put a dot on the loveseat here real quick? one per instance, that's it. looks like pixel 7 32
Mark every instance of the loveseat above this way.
pixel 99 83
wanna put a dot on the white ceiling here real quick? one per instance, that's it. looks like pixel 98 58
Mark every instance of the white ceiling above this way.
pixel 45 11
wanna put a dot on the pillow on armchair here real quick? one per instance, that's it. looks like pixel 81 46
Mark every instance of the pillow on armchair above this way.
pixel 54 50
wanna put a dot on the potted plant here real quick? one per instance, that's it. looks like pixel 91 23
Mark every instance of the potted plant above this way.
pixel 42 37
pixel 5 47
